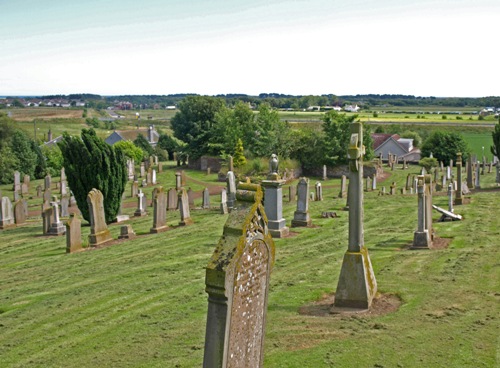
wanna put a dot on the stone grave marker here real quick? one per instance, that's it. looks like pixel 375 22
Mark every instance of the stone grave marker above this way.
pixel 73 234
pixel 46 217
pixel 357 285
pixel 223 202
pixel 470 178
pixel 172 199
pixel 183 178
pixel 292 193
pixel 319 191
pixel 230 163
pixel 47 195
pixel 459 200
pixel 149 176
pixel 237 283
pixel 421 237
pixel 47 182
pixel 343 187
pixel 374 182
pixel 25 189
pixel 184 208
pixel 17 181
pixel 190 194
pixel 159 211
pixel 178 180
pixel 301 216
pixel 56 226
pixel 450 197
pixel 392 190
pixel 16 196
pixel 368 184
pixel 99 232
pixel 325 176
pixel 231 189
pixel 126 232
pixel 477 182
pixel 142 173
pixel 65 206
pixel 20 212
pixel 39 191
pixel 273 202
pixel 206 199
pixel 154 193
pixel 134 189
pixel 130 168
pixel 160 167
pixel 153 177
pixel 141 205
pixel 6 214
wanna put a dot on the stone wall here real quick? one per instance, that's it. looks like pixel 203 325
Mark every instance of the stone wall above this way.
pixel 338 171
pixel 204 162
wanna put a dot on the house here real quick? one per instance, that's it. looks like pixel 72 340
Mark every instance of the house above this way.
pixel 150 134
pixel 394 144
pixel 351 108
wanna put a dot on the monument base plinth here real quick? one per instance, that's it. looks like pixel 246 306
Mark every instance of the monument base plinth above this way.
pixel 301 219
pixel 421 240
pixel 57 229
pixel 156 230
pixel 186 222
pixel 357 285
pixel 99 238
pixel 458 201
pixel 281 233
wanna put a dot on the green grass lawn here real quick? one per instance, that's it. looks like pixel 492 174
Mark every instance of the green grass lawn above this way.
pixel 141 303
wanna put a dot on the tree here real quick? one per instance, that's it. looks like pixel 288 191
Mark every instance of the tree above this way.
pixel 309 148
pixel 142 143
pixel 428 163
pixel 53 160
pixel 169 144
pixel 337 134
pixel 444 146
pixel 194 123
pixel 130 150
pixel 417 140
pixel 8 164
pixel 239 159
pixel 495 149
pixel 90 163
pixel 41 164
pixel 21 146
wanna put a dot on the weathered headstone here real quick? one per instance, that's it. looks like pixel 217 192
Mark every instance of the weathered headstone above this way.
pixel 63 188
pixel 301 216
pixel 450 197
pixel 368 184
pixel 183 178
pixel 357 285
pixel 178 180
pixel 16 196
pixel 160 167
pixel 47 195
pixel 134 189
pixel 325 176
pixel 172 199
pixel 73 234
pixel 205 199
pixel 19 212
pixel 477 182
pixel 292 193
pixel 149 176
pixel 184 208
pixel 273 202
pixel 230 163
pixel 237 283
pixel 39 191
pixel 231 189
pixel 159 211
pixel 319 191
pixel 56 226
pixel 46 217
pixel 153 177
pixel 99 232
pixel 65 206
pixel 223 202
pixel 374 182
pixel 408 181
pixel 142 170
pixel 343 187
pixel 25 189
pixel 47 182
pixel 126 232
pixel 190 194
pixel 392 190
pixel 130 168
pixel 17 181
pixel 470 170
pixel 459 200
pixel 141 205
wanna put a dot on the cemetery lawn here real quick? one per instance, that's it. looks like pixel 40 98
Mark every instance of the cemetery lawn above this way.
pixel 141 302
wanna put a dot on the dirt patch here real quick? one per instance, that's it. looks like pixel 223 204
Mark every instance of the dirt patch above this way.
pixel 383 177
pixel 437 243
pixel 382 304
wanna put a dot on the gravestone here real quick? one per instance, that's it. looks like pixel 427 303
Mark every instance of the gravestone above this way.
pixel 343 187
pixel 65 206
pixel 230 163
pixel 292 193
pixel 47 195
pixel 408 181
pixel 25 190
pixel 448 173
pixel 374 182
pixel 47 182
pixel 273 202
pixel 159 211
pixel 190 194
pixel 223 202
pixel 237 283
pixel 73 234
pixel 184 208
pixel 421 237
pixel 368 185
pixel 99 232
pixel 301 216
pixel 17 181
pixel 178 180
pixel 19 213
pixel 39 191
pixel 16 196
pixel 153 177
pixel 209 170
pixel 63 188
pixel 172 200
pixel 144 183
pixel 319 191
pixel 154 193
pixel 126 232
pixel 477 182
pixel 206 199
pixel 450 197
pixel 357 285
pixel 149 176
pixel 470 170
pixel 428 205
pixel 392 190
pixel 459 200
pixel 56 226
pixel 231 189
pixel 160 167
pixel 143 170
pixel 183 178
pixel 27 180
pixel 46 217
pixel 324 173
pixel 141 205
pixel 134 189
pixel 130 168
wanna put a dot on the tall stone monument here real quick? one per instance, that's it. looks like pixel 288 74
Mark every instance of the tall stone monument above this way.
pixel 184 208
pixel 231 189
pixel 273 202
pixel 357 285
pixel 237 283
pixel 159 211
pixel 421 237
pixel 459 199
pixel 301 216
pixel 99 232
pixel 6 214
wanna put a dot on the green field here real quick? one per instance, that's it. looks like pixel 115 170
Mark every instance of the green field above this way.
pixel 141 303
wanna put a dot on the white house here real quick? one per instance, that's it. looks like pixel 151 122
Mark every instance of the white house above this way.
pixel 351 108
pixel 394 144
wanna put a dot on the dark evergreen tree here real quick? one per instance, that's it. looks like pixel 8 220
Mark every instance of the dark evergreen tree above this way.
pixel 90 163
pixel 495 149
pixel 169 144
pixel 143 144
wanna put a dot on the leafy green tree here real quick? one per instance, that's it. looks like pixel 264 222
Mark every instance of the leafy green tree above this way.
pixel 169 144
pixel 428 163
pixel 239 158
pixel 309 148
pixel 337 134
pixel 130 150
pixel 41 164
pixel 495 149
pixel 22 148
pixel 444 146
pixel 417 140
pixel 7 129
pixel 53 159
pixel 8 164
pixel 90 163
pixel 194 123
pixel 142 143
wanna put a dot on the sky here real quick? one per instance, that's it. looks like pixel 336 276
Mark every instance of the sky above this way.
pixel 109 47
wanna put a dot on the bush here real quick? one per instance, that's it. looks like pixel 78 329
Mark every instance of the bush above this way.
pixel 428 163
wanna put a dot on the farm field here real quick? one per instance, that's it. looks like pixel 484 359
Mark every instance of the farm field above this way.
pixel 141 302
